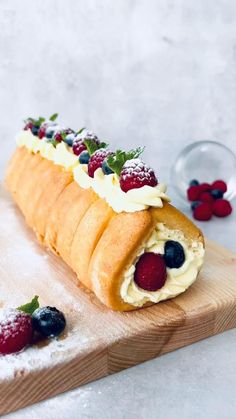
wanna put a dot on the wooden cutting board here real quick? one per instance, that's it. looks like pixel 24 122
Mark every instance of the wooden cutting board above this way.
pixel 97 341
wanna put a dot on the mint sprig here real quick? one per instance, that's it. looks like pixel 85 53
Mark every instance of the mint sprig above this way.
pixel 29 308
pixel 117 160
pixel 53 117
pixel 93 146
pixel 81 130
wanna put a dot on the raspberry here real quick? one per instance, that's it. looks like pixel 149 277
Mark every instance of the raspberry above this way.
pixel 135 174
pixel 204 187
pixel 42 131
pixel 193 193
pixel 203 212
pixel 219 184
pixel 58 136
pixel 222 208
pixel 78 144
pixel 28 125
pixel 96 160
pixel 78 147
pixel 15 330
pixel 206 197
pixel 150 271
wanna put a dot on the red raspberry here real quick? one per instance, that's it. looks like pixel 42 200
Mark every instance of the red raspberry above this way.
pixel 58 134
pixel 219 184
pixel 204 187
pixel 222 208
pixel 135 174
pixel 28 125
pixel 96 160
pixel 15 330
pixel 150 271
pixel 206 197
pixel 193 193
pixel 203 212
pixel 78 147
pixel 42 131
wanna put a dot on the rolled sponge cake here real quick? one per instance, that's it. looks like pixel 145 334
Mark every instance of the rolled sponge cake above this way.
pixel 96 242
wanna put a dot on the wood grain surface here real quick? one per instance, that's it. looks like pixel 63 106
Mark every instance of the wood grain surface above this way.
pixel 97 342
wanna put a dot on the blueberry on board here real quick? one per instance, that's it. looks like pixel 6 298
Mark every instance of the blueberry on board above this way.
pixel 195 204
pixel 106 169
pixel 217 194
pixel 84 157
pixel 69 139
pixel 48 321
pixel 174 254
pixel 194 182
pixel 34 130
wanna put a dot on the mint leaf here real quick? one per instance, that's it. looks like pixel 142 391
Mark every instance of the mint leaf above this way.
pixel 93 146
pixel 81 130
pixel 29 308
pixel 53 117
pixel 117 160
pixel 39 121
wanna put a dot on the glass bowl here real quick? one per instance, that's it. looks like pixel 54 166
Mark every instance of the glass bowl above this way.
pixel 205 161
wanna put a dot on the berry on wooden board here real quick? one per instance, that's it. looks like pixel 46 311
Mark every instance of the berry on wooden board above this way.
pixel 48 321
pixel 16 330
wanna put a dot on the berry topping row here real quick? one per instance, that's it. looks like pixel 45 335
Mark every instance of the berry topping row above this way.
pixel 133 173
pixel 25 325
pixel 208 200
pixel 150 270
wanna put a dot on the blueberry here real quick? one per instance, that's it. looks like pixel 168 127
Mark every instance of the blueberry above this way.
pixel 48 321
pixel 217 194
pixel 174 254
pixel 194 182
pixel 84 157
pixel 49 132
pixel 195 204
pixel 69 139
pixel 106 169
pixel 34 130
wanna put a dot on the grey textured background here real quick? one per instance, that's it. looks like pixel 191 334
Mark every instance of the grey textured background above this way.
pixel 155 72
pixel 162 73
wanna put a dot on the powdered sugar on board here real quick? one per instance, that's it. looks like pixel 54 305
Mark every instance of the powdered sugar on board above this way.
pixel 27 269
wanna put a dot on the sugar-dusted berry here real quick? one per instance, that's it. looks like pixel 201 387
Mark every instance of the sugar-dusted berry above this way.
pixel 15 330
pixel 135 174
pixel 96 160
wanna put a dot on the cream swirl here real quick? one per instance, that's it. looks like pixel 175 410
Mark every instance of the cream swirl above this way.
pixel 178 280
pixel 106 186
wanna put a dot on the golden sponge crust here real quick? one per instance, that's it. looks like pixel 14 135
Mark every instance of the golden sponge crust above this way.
pixel 97 243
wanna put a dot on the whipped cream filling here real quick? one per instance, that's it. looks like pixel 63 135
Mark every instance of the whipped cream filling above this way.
pixel 106 186
pixel 178 280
